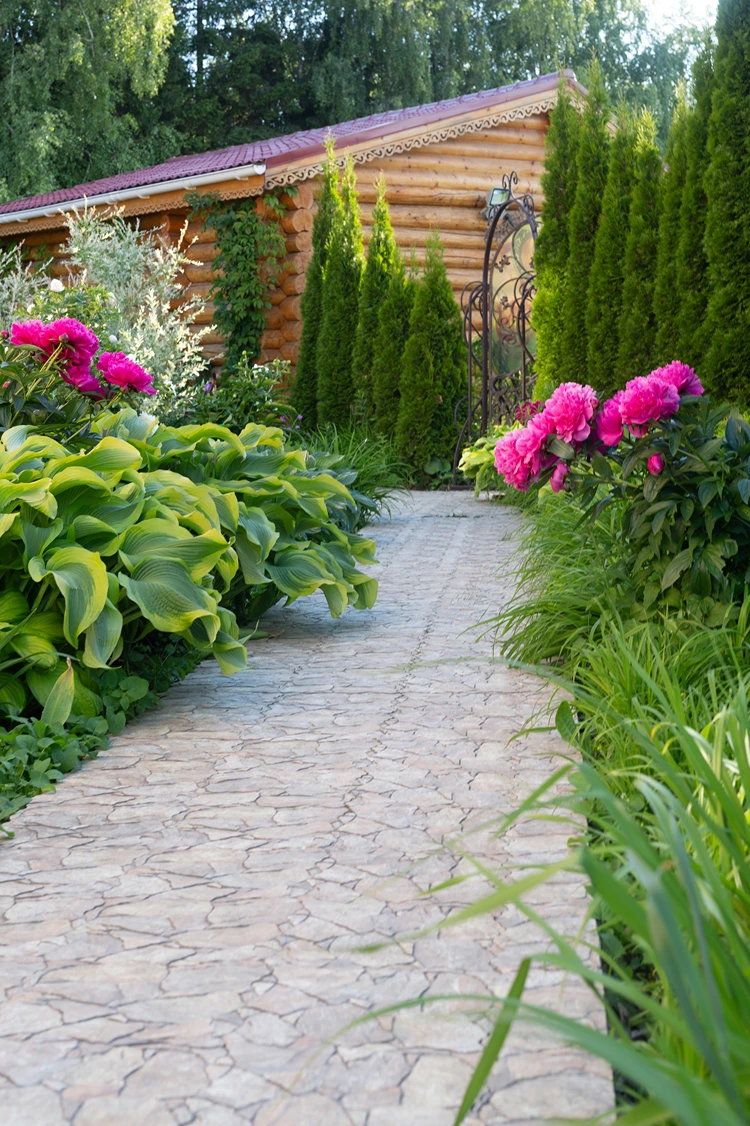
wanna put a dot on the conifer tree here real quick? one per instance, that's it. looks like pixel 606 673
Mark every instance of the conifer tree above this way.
pixel 341 287
pixel 390 341
pixel 691 274
pixel 551 250
pixel 607 272
pixel 304 394
pixel 727 364
pixel 381 259
pixel 637 330
pixel 667 295
pixel 434 364
pixel 592 159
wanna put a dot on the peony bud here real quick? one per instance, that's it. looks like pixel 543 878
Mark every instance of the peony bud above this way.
pixel 655 464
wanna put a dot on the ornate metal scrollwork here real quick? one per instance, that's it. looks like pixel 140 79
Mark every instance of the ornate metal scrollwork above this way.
pixel 500 341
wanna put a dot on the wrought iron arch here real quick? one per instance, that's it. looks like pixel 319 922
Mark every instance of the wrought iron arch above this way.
pixel 500 341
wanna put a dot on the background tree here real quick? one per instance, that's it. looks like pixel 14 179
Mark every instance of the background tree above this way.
pixel 552 247
pixel 604 302
pixel 381 259
pixel 390 341
pixel 305 389
pixel 727 361
pixel 691 266
pixel 592 161
pixel 637 345
pixel 342 279
pixel 434 362
pixel 667 296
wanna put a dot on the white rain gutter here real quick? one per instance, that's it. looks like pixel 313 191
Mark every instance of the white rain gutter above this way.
pixel 187 183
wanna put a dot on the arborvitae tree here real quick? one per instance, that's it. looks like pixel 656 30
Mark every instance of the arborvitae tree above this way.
pixel 381 259
pixel 341 286
pixel 551 250
pixel 667 295
pixel 593 156
pixel 607 272
pixel 727 365
pixel 434 366
pixel 691 278
pixel 637 347
pixel 390 341
pixel 305 390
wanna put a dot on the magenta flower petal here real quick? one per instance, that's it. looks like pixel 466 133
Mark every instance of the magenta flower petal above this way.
pixel 117 368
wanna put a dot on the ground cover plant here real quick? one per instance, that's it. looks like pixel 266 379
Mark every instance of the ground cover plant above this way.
pixel 117 531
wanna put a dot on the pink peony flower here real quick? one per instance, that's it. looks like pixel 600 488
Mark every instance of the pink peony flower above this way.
pixel 559 473
pixel 509 462
pixel 77 343
pixel 647 399
pixel 531 444
pixel 609 422
pixel 681 377
pixel 84 381
pixel 570 409
pixel 118 369
pixel 655 464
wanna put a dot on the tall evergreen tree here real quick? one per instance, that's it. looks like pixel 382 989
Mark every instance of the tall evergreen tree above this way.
pixel 604 301
pixel 551 250
pixel 381 260
pixel 727 364
pixel 434 364
pixel 305 390
pixel 667 295
pixel 390 341
pixel 691 277
pixel 592 158
pixel 637 331
pixel 342 280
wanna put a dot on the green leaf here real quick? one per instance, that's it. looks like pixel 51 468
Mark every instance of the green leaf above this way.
pixel 81 578
pixel 59 702
pixel 674 569
pixel 168 598
pixel 707 490
pixel 103 634
pixel 565 722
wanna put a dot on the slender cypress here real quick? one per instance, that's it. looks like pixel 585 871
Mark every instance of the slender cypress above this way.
pixel 390 341
pixel 593 156
pixel 691 273
pixel 637 329
pixel 667 295
pixel 433 369
pixel 727 364
pixel 341 287
pixel 551 251
pixel 606 279
pixel 381 259
pixel 304 394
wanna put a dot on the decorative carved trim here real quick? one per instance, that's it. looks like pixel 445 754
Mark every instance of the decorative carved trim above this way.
pixel 391 148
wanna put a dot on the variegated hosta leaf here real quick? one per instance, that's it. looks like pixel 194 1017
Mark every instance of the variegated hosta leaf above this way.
pixel 168 597
pixel 81 578
pixel 103 635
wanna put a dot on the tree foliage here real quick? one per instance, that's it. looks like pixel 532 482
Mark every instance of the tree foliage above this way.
pixel 381 260
pixel 342 280
pixel 667 296
pixel 604 301
pixel 728 189
pixel 637 344
pixel 390 341
pixel 434 362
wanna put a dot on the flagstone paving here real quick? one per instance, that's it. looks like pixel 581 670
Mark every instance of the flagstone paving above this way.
pixel 182 918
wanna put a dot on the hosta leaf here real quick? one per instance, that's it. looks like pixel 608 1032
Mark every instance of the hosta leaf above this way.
pixel 81 578
pixel 230 654
pixel 12 695
pixel 103 635
pixel 59 703
pixel 198 553
pixel 36 648
pixel 365 593
pixel 34 493
pixel 108 456
pixel 299 573
pixel 41 682
pixel 337 597
pixel 13 606
pixel 168 597
pixel 36 540
pixel 258 528
pixel 95 535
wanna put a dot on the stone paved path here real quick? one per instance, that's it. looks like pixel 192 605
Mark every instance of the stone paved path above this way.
pixel 181 918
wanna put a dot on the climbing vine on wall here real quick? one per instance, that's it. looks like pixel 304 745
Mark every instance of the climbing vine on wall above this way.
pixel 251 255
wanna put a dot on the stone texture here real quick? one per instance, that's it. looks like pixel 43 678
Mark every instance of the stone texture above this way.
pixel 183 919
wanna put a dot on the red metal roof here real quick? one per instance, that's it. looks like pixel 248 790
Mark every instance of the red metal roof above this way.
pixel 278 151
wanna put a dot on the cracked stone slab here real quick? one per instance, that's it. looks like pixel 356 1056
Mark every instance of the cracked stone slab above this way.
pixel 183 919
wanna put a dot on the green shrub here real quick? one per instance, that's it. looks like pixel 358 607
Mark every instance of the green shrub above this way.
pixel 304 393
pixel 250 393
pixel 637 326
pixel 340 307
pixel 667 294
pixel 434 364
pixel 727 184
pixel 381 262
pixel 390 341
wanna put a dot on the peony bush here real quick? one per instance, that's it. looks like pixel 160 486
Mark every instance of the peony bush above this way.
pixel 677 465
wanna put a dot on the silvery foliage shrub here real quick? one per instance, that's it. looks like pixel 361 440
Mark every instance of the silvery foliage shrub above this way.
pixel 140 270
pixel 20 283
